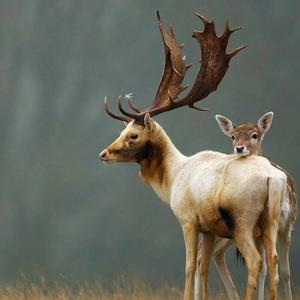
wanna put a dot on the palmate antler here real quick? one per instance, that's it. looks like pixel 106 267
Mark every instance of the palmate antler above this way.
pixel 214 64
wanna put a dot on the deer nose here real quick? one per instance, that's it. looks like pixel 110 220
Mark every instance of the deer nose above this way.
pixel 102 155
pixel 239 149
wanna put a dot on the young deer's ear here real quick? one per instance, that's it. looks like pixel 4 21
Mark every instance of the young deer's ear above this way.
pixel 125 123
pixel 264 123
pixel 225 124
pixel 148 121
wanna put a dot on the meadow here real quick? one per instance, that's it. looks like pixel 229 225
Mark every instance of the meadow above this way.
pixel 138 290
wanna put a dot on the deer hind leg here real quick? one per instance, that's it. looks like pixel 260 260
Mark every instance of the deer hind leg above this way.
pixel 207 247
pixel 190 232
pixel 263 272
pixel 269 239
pixel 219 255
pixel 284 239
pixel 277 191
pixel 246 245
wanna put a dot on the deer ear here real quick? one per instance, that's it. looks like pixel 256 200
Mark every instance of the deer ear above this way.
pixel 225 124
pixel 148 121
pixel 264 123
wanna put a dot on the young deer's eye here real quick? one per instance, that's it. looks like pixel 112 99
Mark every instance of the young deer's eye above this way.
pixel 254 136
pixel 133 136
pixel 232 137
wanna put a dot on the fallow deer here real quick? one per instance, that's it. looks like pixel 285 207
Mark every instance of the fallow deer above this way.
pixel 247 140
pixel 205 191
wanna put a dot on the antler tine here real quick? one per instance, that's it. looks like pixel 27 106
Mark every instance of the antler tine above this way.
pixel 197 108
pixel 139 117
pixel 133 106
pixel 235 51
pixel 121 118
pixel 158 17
pixel 228 31
pixel 208 25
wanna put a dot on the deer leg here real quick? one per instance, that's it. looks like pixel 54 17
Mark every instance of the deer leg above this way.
pixel 284 240
pixel 219 255
pixel 190 232
pixel 263 272
pixel 207 247
pixel 269 240
pixel 197 288
pixel 246 245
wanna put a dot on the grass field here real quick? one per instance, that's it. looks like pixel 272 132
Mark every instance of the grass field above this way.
pixel 136 291
pixel 36 292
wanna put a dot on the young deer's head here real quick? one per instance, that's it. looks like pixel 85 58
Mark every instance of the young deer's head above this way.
pixel 246 138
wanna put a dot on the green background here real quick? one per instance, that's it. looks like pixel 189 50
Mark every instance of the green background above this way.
pixel 66 215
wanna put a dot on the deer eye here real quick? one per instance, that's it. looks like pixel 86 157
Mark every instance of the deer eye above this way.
pixel 232 137
pixel 254 136
pixel 133 136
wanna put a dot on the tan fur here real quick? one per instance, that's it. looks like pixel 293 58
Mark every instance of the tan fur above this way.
pixel 199 189
pixel 243 136
pixel 291 193
pixel 155 168
pixel 161 163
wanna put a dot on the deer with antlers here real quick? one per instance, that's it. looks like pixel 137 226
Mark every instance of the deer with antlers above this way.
pixel 205 191
pixel 247 140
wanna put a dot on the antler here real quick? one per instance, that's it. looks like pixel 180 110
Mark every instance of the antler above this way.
pixel 174 71
pixel 214 64
pixel 121 118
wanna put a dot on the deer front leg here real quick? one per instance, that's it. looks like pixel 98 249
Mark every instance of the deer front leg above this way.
pixel 190 232
pixel 219 255
pixel 197 287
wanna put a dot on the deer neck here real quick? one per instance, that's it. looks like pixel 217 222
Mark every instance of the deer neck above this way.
pixel 159 159
pixel 258 152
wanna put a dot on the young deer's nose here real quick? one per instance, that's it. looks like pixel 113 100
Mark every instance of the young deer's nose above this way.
pixel 239 149
pixel 102 155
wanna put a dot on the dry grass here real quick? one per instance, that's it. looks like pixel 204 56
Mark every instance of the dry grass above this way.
pixel 136 291
pixel 36 292
pixel 25 290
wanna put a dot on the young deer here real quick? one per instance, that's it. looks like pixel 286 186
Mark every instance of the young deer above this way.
pixel 202 189
pixel 247 139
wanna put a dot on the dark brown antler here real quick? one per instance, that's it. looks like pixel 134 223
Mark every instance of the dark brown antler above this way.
pixel 121 118
pixel 214 64
pixel 174 71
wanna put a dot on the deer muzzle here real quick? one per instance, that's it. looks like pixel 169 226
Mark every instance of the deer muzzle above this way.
pixel 241 150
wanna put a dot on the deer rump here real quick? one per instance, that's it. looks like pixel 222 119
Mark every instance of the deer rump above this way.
pixel 222 196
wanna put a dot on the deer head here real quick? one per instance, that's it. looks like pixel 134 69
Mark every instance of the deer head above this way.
pixel 246 138
pixel 133 143
pixel 130 146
